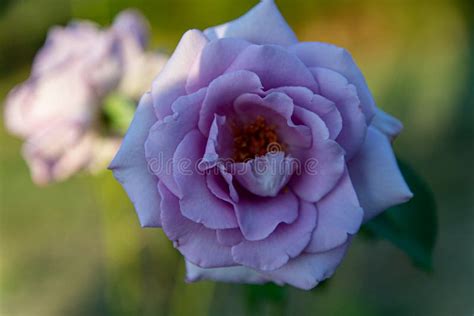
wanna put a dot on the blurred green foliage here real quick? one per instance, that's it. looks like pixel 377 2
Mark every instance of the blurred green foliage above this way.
pixel 411 226
pixel 76 248
pixel 118 111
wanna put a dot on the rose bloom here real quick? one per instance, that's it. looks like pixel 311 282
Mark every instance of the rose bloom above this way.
pixel 58 109
pixel 259 156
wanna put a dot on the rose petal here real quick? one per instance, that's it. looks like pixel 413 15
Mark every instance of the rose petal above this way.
pixel 339 214
pixel 222 92
pixel 197 243
pixel 336 88
pixel 318 104
pixel 165 135
pixel 197 203
pixel 322 165
pixel 277 109
pixel 319 131
pixel 220 183
pixel 307 270
pixel 218 136
pixel 275 67
pixel 376 176
pixel 130 167
pixel 387 124
pixel 229 237
pixel 218 186
pixel 265 175
pixel 237 274
pixel 314 54
pixel 263 24
pixel 287 241
pixel 170 83
pixel 259 216
pixel 213 61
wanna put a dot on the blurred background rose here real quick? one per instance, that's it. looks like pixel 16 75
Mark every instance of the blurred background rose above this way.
pixel 64 110
pixel 76 248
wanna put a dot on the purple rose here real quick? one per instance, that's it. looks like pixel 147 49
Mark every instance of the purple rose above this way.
pixel 259 156
pixel 57 110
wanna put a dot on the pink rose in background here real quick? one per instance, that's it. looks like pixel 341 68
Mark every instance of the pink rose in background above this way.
pixel 58 109
pixel 259 156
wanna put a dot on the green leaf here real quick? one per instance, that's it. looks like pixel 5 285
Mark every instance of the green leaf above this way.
pixel 118 112
pixel 411 226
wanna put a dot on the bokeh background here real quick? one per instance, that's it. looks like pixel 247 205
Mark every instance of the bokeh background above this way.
pixel 76 248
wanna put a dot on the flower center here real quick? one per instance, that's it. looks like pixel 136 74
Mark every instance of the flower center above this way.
pixel 254 139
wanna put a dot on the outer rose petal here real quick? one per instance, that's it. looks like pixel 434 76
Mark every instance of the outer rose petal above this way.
pixel 237 274
pixel 376 176
pixel 336 88
pixel 130 167
pixel 387 124
pixel 261 25
pixel 339 215
pixel 287 241
pixel 213 61
pixel 197 243
pixel 170 83
pixel 229 237
pixel 307 270
pixel 325 55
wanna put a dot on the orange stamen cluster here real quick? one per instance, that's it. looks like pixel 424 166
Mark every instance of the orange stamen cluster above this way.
pixel 254 139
